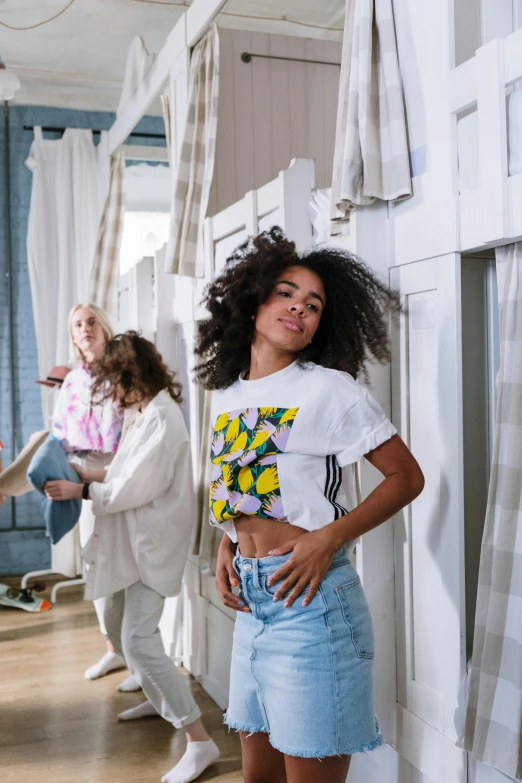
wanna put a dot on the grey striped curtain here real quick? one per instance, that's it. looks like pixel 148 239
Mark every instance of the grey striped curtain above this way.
pixel 106 267
pixel 371 159
pixel 493 730
pixel 195 168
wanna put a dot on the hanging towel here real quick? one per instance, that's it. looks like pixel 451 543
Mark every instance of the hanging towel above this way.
pixel 371 159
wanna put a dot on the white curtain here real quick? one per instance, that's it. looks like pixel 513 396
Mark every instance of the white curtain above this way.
pixel 493 729
pixel 139 60
pixel 103 290
pixel 371 159
pixel 70 182
pixel 195 168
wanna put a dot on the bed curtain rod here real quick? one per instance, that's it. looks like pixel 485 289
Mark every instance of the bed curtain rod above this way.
pixel 246 57
pixel 134 135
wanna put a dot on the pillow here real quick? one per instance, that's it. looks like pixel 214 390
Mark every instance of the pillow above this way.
pixel 13 481
pixel 50 463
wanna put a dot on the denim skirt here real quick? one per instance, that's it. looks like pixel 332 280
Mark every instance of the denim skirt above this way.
pixel 303 674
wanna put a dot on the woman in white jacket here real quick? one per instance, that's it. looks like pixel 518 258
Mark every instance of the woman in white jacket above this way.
pixel 144 508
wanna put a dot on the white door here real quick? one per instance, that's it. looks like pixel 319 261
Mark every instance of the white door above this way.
pixel 429 534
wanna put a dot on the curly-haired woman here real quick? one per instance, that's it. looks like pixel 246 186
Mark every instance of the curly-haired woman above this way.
pixel 144 508
pixel 287 337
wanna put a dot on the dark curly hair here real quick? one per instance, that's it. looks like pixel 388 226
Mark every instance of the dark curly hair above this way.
pixel 131 369
pixel 354 325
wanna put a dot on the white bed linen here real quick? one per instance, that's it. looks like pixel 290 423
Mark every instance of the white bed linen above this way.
pixel 319 211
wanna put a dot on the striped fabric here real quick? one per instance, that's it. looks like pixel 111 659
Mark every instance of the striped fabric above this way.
pixel 105 269
pixel 493 731
pixel 196 164
pixel 208 537
pixel 371 159
pixel 334 477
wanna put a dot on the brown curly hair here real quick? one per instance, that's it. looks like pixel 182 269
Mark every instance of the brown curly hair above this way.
pixel 354 325
pixel 130 370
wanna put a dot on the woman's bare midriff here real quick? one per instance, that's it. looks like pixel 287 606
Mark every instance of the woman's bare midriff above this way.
pixel 258 536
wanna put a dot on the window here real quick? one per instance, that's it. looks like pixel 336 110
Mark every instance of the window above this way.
pixel 147 194
pixel 143 234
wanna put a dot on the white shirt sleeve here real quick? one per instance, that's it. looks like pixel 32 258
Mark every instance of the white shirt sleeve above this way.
pixel 144 475
pixel 362 428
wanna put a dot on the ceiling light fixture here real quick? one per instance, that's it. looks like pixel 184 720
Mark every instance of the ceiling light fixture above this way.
pixel 9 83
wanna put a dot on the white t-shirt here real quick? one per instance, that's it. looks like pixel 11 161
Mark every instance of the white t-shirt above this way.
pixel 280 442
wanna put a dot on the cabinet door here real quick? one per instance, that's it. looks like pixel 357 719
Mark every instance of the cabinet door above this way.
pixel 429 534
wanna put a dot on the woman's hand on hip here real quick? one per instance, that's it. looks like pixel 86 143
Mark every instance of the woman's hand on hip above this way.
pixel 311 558
pixel 63 490
pixel 227 578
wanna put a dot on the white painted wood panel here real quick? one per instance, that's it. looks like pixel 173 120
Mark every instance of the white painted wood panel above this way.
pixel 243 112
pixel 429 534
pixel 496 19
pixel 271 111
pixel 262 112
pixel 280 97
pixel 219 630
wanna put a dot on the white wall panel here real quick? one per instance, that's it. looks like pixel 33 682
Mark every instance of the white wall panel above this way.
pixel 271 111
pixel 429 534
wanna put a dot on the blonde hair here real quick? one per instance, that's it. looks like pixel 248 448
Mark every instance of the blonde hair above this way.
pixel 103 318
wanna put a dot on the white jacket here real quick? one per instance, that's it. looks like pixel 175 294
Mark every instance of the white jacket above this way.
pixel 146 507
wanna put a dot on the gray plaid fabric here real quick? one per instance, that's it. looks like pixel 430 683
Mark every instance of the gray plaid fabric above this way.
pixel 105 270
pixel 371 159
pixel 208 537
pixel 196 163
pixel 165 104
pixel 493 731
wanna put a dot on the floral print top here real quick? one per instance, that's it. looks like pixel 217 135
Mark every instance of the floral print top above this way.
pixel 79 424
pixel 280 443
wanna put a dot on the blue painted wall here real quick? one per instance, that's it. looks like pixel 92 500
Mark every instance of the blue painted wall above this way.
pixel 25 547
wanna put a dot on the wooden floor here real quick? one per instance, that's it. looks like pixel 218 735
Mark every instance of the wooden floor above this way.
pixel 57 727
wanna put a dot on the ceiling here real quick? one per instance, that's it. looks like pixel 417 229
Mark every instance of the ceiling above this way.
pixel 78 59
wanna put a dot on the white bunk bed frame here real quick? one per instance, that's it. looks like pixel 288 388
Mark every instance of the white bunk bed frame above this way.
pixel 417 694
pixel 492 214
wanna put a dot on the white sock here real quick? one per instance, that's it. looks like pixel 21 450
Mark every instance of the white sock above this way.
pixel 109 663
pixel 129 685
pixel 143 710
pixel 198 756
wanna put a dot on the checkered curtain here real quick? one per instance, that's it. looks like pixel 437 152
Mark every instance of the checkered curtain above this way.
pixel 493 731
pixel 371 159
pixel 195 167
pixel 208 536
pixel 105 269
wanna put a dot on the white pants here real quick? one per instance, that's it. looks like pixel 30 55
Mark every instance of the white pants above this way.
pixel 132 617
pixel 92 461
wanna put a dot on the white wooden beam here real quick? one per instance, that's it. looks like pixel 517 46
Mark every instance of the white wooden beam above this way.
pixel 463 86
pixel 186 32
pixel 200 16
pixel 513 56
pixel 493 165
pixel 149 88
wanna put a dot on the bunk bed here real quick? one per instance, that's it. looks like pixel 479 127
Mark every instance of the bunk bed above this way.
pixel 486 103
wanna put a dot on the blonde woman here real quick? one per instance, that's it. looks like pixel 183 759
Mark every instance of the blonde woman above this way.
pixel 90 434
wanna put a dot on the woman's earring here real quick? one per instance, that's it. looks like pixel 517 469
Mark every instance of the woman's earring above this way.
pixel 253 318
